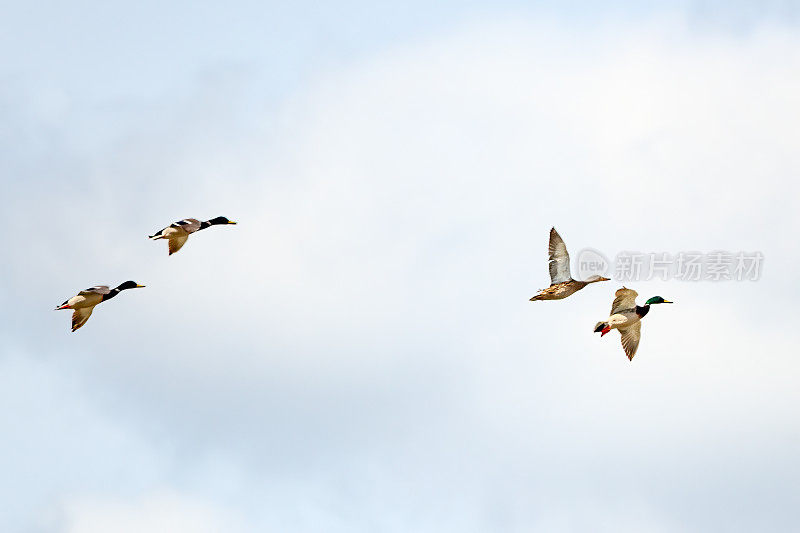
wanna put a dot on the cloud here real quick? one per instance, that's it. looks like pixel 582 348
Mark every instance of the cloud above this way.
pixel 160 511
pixel 359 352
pixel 58 439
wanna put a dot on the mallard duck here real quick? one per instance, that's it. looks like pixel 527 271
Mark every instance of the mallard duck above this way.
pixel 177 233
pixel 627 317
pixel 83 303
pixel 561 282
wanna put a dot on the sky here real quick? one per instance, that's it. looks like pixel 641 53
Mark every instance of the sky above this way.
pixel 359 352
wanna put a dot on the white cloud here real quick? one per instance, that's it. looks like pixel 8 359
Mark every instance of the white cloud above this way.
pixel 161 511
pixel 361 348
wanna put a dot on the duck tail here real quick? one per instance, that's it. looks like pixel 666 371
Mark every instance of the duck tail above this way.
pixel 539 296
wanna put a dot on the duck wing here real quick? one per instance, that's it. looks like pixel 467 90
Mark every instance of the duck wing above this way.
pixel 630 339
pixel 97 289
pixel 624 299
pixel 189 225
pixel 80 316
pixel 176 243
pixel 558 259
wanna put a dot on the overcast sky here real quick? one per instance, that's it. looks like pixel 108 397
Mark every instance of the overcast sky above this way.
pixel 359 353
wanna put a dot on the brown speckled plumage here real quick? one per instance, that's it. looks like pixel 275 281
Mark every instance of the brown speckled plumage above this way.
pixel 561 282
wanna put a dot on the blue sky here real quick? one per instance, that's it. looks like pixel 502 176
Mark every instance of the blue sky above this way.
pixel 359 353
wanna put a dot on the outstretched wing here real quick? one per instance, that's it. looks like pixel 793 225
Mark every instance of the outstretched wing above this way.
pixel 175 243
pixel 90 296
pixel 80 316
pixel 97 289
pixel 559 259
pixel 624 299
pixel 630 339
pixel 189 225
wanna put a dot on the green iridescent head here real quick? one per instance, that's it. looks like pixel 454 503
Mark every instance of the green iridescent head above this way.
pixel 657 300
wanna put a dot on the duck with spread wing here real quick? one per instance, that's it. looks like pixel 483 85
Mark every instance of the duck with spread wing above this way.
pixel 626 317
pixel 561 282
pixel 83 303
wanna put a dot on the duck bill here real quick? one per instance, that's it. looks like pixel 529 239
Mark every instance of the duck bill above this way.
pixel 667 302
pixel 231 222
pixel 140 286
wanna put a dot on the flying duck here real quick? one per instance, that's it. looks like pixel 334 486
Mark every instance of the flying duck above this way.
pixel 561 282
pixel 627 317
pixel 84 302
pixel 177 233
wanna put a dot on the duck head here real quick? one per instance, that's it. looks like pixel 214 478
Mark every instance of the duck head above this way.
pixel 595 278
pixel 657 300
pixel 129 285
pixel 220 220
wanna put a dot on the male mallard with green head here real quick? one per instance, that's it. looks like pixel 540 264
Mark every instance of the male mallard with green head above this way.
pixel 177 233
pixel 561 282
pixel 627 317
pixel 84 302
